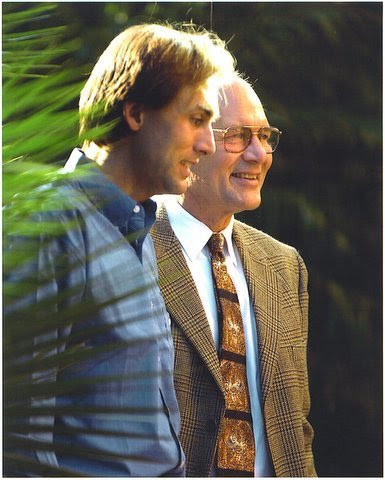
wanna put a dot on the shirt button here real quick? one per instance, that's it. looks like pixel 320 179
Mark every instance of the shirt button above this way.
pixel 136 209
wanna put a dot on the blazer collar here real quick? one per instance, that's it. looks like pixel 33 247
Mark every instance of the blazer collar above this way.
pixel 264 294
pixel 181 295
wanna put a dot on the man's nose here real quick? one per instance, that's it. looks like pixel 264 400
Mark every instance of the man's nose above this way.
pixel 205 143
pixel 255 152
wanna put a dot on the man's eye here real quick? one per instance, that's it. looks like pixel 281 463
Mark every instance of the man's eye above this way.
pixel 264 136
pixel 235 136
pixel 197 121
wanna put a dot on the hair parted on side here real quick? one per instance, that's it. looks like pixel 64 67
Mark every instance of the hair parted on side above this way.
pixel 148 64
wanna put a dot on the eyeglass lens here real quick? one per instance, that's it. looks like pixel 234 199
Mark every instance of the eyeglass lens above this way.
pixel 238 138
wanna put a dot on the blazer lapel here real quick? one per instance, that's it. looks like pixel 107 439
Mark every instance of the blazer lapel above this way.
pixel 264 292
pixel 181 296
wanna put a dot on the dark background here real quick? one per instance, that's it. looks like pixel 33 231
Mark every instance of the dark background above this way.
pixel 318 70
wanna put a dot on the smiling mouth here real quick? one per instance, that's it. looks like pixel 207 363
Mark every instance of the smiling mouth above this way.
pixel 189 163
pixel 247 176
pixel 186 168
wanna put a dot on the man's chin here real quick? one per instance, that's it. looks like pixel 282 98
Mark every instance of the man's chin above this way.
pixel 178 188
pixel 183 185
pixel 252 204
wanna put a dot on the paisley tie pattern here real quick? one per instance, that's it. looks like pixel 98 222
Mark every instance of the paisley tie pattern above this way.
pixel 236 449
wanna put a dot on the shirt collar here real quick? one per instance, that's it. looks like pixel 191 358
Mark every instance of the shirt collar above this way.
pixel 228 234
pixel 120 209
pixel 192 234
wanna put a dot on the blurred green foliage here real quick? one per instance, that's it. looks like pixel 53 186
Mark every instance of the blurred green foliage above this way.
pixel 38 125
pixel 317 67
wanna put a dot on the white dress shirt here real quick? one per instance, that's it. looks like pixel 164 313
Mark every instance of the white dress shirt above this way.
pixel 193 236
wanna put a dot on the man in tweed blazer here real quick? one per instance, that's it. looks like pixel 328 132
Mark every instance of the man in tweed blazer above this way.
pixel 276 293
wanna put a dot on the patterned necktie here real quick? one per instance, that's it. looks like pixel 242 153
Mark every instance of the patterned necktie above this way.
pixel 236 450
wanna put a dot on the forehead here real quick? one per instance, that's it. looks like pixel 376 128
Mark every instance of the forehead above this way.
pixel 240 105
pixel 202 98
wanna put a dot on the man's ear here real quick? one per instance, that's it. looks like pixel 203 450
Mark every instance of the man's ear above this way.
pixel 133 114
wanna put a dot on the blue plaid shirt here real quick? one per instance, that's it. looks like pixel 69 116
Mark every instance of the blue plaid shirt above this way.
pixel 118 397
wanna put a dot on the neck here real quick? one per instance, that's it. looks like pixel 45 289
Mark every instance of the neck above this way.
pixel 115 162
pixel 211 215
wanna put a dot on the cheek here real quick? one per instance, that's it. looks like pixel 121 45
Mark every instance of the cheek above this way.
pixel 206 168
pixel 178 137
pixel 268 164
pixel 183 134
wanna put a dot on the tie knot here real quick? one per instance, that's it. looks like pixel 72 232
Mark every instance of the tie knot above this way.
pixel 216 243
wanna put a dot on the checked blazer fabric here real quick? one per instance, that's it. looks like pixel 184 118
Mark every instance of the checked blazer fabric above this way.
pixel 277 280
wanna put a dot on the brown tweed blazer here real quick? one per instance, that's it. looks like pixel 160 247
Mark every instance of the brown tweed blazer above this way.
pixel 277 280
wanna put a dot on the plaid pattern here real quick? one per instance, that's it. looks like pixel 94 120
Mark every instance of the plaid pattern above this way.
pixel 277 280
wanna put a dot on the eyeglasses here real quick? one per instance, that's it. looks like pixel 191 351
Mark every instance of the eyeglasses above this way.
pixel 237 138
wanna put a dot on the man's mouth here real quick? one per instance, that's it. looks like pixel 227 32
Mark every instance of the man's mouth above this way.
pixel 247 176
pixel 188 163
pixel 186 166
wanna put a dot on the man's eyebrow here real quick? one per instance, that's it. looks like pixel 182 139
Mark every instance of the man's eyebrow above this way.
pixel 207 111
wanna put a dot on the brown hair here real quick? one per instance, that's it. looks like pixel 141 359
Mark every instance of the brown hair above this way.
pixel 148 64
